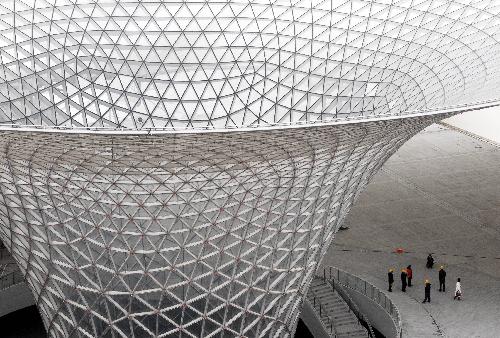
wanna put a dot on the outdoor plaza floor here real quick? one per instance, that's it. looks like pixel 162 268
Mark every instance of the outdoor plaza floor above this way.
pixel 439 193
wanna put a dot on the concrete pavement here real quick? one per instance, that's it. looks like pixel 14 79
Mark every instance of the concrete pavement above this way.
pixel 440 193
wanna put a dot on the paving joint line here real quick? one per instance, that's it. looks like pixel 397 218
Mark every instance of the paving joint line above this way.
pixel 439 331
pixel 365 250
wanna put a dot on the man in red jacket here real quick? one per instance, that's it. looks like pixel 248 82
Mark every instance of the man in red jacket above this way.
pixel 409 272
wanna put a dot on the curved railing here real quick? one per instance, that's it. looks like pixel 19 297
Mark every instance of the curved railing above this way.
pixel 354 308
pixel 335 275
pixel 315 303
pixel 362 320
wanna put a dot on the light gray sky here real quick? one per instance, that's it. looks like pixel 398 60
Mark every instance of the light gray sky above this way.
pixel 485 123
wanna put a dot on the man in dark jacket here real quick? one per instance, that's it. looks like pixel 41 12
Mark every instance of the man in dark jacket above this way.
pixel 427 291
pixel 430 261
pixel 390 279
pixel 442 279
pixel 409 272
pixel 403 280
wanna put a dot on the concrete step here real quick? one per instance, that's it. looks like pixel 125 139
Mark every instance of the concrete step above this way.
pixel 335 310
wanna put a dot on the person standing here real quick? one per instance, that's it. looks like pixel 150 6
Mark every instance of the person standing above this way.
pixel 403 280
pixel 442 279
pixel 427 291
pixel 409 272
pixel 458 290
pixel 390 279
pixel 430 261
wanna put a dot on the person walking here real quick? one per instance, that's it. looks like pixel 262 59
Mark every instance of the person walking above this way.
pixel 430 261
pixel 427 291
pixel 409 272
pixel 442 279
pixel 403 280
pixel 458 290
pixel 390 279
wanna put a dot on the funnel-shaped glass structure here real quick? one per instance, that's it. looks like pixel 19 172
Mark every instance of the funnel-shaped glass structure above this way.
pixel 178 168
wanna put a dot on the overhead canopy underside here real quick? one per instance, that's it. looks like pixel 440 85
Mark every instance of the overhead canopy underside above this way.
pixel 183 65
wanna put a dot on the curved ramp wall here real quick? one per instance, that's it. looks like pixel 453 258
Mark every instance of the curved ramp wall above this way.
pixel 371 301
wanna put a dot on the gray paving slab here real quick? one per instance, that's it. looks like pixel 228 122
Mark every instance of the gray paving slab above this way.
pixel 440 193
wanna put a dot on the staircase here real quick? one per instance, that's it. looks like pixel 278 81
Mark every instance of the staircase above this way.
pixel 334 311
pixel 5 256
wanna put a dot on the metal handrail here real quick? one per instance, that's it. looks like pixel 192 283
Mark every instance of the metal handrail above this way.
pixel 316 304
pixel 352 306
pixel 372 292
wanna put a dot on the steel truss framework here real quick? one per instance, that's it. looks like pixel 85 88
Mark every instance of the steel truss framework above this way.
pixel 136 213
pixel 199 235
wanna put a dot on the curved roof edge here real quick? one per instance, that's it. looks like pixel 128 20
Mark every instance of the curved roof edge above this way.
pixel 169 131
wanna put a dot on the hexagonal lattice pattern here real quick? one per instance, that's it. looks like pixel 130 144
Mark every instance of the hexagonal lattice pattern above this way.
pixel 129 219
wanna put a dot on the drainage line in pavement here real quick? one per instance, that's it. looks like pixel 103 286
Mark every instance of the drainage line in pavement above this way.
pixel 439 330
pixel 471 135
pixel 414 252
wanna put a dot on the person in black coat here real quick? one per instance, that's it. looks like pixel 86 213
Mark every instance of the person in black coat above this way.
pixel 403 280
pixel 390 279
pixel 442 279
pixel 430 261
pixel 427 291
